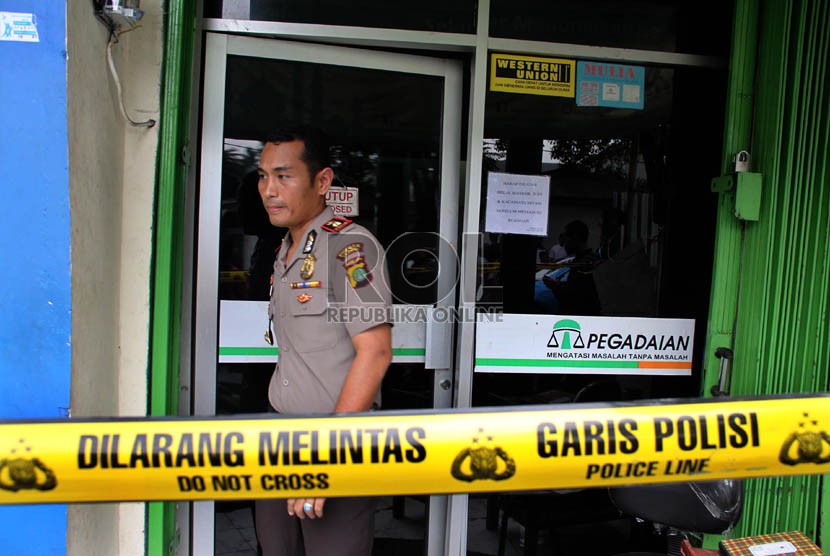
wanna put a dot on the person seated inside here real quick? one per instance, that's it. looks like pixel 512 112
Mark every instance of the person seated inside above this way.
pixel 569 288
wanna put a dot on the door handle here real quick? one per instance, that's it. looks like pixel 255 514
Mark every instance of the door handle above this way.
pixel 438 341
pixel 723 386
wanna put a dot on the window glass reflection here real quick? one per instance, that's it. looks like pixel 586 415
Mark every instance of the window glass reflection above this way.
pixel 630 222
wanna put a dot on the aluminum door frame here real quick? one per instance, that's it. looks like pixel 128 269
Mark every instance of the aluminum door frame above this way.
pixel 205 328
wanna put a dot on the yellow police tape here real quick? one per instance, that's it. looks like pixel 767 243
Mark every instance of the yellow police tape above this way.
pixel 495 449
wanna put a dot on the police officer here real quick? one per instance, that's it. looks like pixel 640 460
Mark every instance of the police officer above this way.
pixel 328 314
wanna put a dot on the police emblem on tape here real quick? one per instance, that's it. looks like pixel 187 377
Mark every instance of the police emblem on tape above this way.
pixel 483 462
pixel 354 261
pixel 807 445
pixel 20 473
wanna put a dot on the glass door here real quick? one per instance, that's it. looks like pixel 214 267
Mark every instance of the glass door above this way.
pixel 394 121
pixel 621 250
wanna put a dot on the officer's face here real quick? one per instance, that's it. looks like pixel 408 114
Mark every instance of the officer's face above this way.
pixel 291 196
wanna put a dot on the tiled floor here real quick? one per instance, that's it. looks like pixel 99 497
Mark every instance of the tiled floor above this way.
pixel 235 529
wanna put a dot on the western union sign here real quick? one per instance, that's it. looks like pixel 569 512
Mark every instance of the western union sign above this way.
pixel 382 453
pixel 531 75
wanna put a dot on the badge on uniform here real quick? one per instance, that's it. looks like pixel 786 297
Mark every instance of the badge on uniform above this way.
pixel 336 224
pixel 354 261
pixel 304 297
pixel 309 242
pixel 304 285
pixel 307 270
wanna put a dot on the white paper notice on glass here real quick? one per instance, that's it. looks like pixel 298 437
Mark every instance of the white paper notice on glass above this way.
pixel 517 204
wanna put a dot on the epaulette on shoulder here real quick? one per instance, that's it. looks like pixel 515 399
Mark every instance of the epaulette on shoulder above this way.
pixel 336 224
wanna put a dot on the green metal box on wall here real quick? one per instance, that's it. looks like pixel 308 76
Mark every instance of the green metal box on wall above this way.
pixel 748 196
pixel 747 187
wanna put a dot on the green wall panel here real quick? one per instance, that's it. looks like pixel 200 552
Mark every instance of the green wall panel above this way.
pixel 780 333
pixel 171 180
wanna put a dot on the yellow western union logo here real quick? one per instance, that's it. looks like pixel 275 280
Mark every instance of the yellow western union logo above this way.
pixel 415 453
pixel 532 75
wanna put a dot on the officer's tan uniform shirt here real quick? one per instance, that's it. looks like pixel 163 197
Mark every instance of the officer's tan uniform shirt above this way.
pixel 316 307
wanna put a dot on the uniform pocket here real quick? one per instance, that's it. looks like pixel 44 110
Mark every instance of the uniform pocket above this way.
pixel 311 329
pixel 309 302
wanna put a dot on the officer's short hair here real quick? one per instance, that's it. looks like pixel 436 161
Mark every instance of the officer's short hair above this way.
pixel 316 152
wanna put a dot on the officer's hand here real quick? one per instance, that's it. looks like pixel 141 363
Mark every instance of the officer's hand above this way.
pixel 298 507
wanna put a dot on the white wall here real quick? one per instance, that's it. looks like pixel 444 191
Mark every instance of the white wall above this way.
pixel 111 180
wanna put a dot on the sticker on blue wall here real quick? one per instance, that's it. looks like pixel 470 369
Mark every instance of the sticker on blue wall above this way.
pixel 20 27
pixel 609 84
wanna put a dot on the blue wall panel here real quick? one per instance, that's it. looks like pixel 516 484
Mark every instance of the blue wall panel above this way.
pixel 35 297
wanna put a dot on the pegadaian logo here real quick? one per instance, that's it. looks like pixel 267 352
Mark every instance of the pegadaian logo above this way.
pixel 566 334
